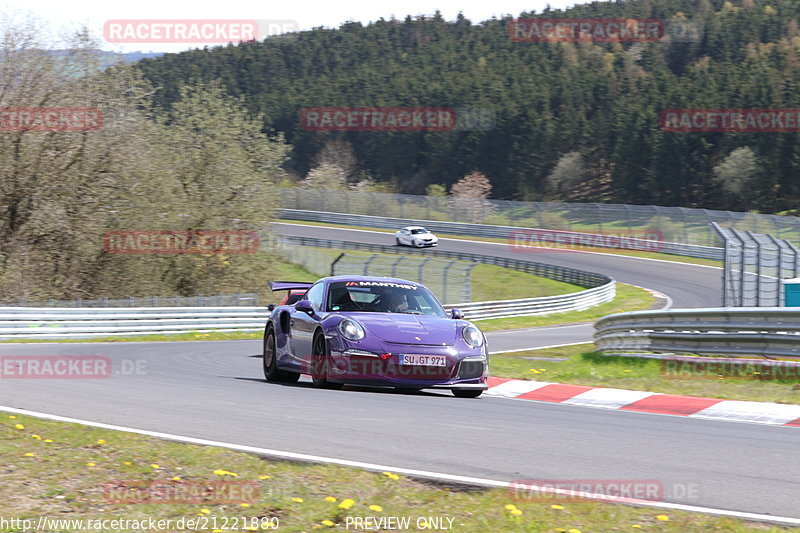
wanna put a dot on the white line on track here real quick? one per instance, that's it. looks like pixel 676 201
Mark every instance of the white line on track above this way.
pixel 506 244
pixel 540 347
pixel 407 471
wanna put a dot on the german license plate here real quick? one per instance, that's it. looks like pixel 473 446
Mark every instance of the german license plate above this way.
pixel 423 360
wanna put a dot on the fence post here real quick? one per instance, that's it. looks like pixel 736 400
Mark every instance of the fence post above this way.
pixel 333 264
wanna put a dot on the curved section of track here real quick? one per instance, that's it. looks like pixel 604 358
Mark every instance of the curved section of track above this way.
pixel 215 391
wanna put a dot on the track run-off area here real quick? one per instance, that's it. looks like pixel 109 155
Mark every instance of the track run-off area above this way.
pixel 215 391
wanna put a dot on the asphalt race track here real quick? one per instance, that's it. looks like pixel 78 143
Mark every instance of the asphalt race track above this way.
pixel 216 391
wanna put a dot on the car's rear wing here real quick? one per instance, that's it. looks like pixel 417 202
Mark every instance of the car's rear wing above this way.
pixel 289 285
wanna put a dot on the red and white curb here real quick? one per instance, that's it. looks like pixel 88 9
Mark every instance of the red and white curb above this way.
pixel 776 414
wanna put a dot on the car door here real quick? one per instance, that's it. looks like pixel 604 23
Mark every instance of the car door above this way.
pixel 303 324
pixel 405 239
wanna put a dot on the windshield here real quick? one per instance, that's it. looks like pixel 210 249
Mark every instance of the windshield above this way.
pixel 383 297
pixel 417 231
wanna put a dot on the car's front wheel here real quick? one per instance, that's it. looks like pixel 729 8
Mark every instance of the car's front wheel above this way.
pixel 321 364
pixel 397 240
pixel 270 361
pixel 467 393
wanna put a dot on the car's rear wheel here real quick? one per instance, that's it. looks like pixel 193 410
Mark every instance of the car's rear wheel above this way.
pixel 270 363
pixel 321 364
pixel 467 393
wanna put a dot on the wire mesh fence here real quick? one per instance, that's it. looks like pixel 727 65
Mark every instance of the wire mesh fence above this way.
pixel 675 224
pixel 450 281
pixel 755 265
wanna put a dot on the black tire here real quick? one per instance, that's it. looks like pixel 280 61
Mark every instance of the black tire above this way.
pixel 467 393
pixel 321 364
pixel 397 240
pixel 271 371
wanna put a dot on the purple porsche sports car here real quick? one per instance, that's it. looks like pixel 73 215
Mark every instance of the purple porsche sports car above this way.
pixel 373 331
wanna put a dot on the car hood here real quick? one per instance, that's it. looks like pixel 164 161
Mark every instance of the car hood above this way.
pixel 401 328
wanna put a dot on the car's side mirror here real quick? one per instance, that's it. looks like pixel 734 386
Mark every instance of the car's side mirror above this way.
pixel 271 307
pixel 456 314
pixel 304 306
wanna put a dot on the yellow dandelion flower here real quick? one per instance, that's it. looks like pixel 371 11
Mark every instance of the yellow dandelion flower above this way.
pixel 216 531
pixel 90 464
pixel 637 526
pixel 263 477
pixel 376 508
pixel 19 426
pixel 422 524
pixel 47 440
pixel 390 475
pixel 556 507
pixel 297 500
pixel 101 441
pixel 176 478
pixel 245 505
pixel 573 530
pixel 204 511
pixel 327 523
pixel 37 437
pixel 251 528
pixel 516 512
pixel 127 463
pixel 12 417
pixel 663 518
pixel 29 454
pixel 347 503
pixel 154 465
pixel 511 506
pixel 330 499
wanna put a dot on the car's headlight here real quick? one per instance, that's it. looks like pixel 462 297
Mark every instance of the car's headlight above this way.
pixel 472 336
pixel 351 330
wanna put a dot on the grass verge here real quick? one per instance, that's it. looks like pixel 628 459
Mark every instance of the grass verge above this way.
pixel 629 298
pixel 69 471
pixel 585 366
pixel 614 251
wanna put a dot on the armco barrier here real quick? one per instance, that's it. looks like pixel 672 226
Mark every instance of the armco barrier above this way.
pixel 54 323
pixel 601 288
pixel 741 331
pixel 51 322
pixel 499 232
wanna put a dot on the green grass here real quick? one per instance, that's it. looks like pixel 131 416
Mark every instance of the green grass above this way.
pixel 587 367
pixel 629 298
pixel 66 479
pixel 491 282
pixel 539 255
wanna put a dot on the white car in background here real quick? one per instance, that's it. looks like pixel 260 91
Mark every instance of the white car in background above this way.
pixel 416 236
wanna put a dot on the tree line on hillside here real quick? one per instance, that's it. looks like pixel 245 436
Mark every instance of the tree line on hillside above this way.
pixel 575 121
pixel 203 163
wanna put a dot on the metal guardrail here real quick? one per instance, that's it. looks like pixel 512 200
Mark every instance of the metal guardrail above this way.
pixel 506 232
pixel 741 331
pixel 601 288
pixel 545 305
pixel 52 323
pixel 218 300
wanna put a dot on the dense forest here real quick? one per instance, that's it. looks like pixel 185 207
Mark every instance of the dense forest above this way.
pixel 572 120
